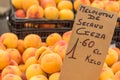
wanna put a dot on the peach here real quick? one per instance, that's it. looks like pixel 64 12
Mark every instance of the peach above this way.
pixel 13 63
pixel 66 36
pixel 32 40
pixel 106 74
pixel 116 67
pixel 64 4
pixel 117 50
pixel 11 70
pixel 22 68
pixel 66 14
pixel 51 63
pixel 28 3
pixel 39 77
pixel 48 25
pixel 14 54
pixel 57 1
pixel 78 2
pixel 35 11
pixel 4 59
pixel 112 6
pixel 9 40
pixel 30 61
pixel 17 3
pixel 51 10
pixel 47 3
pixel 29 52
pixel 20 13
pixel 111 57
pixel 34 70
pixel 53 38
pixel 2 47
pixel 117 75
pixel 11 77
pixel 98 4
pixel 54 76
pixel 20 46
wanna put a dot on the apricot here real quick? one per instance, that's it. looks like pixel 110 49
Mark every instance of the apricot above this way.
pixel 54 76
pixel 64 4
pixel 28 3
pixel 106 74
pixel 66 14
pixel 39 77
pixel 51 63
pixel 30 61
pixel 111 57
pixel 22 68
pixel 29 52
pixel 35 11
pixel 17 3
pixel 34 70
pixel 66 36
pixel 13 62
pixel 20 13
pixel 53 38
pixel 117 75
pixel 112 6
pixel 2 47
pixel 78 2
pixel 14 54
pixel 11 77
pixel 116 67
pixel 51 10
pixel 98 4
pixel 9 40
pixel 11 70
pixel 4 59
pixel 20 46
pixel 47 3
pixel 32 40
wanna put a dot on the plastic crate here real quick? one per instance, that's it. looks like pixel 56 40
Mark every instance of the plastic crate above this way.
pixel 24 26
pixel 116 36
pixel 118 44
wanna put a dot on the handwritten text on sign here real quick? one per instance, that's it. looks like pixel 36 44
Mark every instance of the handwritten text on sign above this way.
pixel 91 36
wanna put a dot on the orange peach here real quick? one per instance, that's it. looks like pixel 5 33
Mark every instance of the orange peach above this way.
pixel 29 52
pixel 53 38
pixel 4 59
pixel 98 4
pixel 2 47
pixel 17 3
pixel 11 77
pixel 106 74
pixel 54 76
pixel 78 2
pixel 20 13
pixel 51 63
pixel 11 70
pixel 111 57
pixel 22 68
pixel 34 70
pixel 14 54
pixel 51 10
pixel 112 6
pixel 64 4
pixel 20 46
pixel 28 3
pixel 39 77
pixel 13 63
pixel 32 40
pixel 117 75
pixel 66 14
pixel 30 61
pixel 47 3
pixel 116 67
pixel 9 40
pixel 66 36
pixel 35 11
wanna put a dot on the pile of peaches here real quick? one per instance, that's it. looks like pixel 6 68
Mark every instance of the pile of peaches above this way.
pixel 48 9
pixel 32 59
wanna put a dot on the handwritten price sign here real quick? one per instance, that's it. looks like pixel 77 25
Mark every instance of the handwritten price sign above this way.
pixel 91 36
